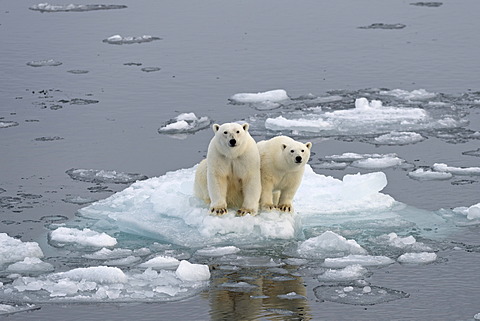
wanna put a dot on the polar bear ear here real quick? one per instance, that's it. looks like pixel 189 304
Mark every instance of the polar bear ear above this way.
pixel 309 145
pixel 284 146
pixel 215 127
pixel 245 127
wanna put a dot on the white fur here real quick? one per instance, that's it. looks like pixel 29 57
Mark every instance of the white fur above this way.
pixel 281 171
pixel 230 176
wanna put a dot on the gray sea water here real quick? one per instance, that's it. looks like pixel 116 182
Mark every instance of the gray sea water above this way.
pixel 72 97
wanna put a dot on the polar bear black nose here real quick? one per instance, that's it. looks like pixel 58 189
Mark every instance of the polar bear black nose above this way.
pixel 232 142
pixel 298 159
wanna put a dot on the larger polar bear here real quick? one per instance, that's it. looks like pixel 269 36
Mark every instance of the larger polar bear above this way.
pixel 283 162
pixel 230 176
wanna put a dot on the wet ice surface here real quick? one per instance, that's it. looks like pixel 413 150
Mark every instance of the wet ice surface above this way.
pixel 120 40
pixel 46 7
pixel 103 176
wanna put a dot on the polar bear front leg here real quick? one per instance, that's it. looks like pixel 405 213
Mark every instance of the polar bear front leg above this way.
pixel 286 199
pixel 217 189
pixel 266 198
pixel 252 188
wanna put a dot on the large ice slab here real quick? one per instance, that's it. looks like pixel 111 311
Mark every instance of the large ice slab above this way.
pixel 13 250
pixel 164 208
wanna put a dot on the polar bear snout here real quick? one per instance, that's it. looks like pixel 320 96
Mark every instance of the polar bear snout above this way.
pixel 298 159
pixel 232 142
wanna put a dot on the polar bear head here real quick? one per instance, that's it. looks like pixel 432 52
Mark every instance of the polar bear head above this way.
pixel 296 153
pixel 231 136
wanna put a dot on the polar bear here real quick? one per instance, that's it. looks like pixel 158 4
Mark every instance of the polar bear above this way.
pixel 282 165
pixel 230 175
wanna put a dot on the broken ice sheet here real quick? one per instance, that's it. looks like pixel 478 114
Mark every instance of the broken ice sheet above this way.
pixel 103 176
pixel 355 295
pixel 185 123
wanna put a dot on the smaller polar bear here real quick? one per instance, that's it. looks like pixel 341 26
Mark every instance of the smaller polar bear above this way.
pixel 282 165
pixel 230 176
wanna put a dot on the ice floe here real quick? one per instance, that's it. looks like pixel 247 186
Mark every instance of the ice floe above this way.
pixel 46 7
pixel 185 123
pixel 348 273
pixel 187 271
pixel 378 163
pixel 387 26
pixel 103 176
pixel 161 262
pixel 417 258
pixel 329 244
pixel 423 174
pixel 272 96
pixel 165 209
pixel 44 63
pixel 440 167
pixel 399 138
pixel 13 250
pixel 358 295
pixel 85 237
pixel 7 123
pixel 218 251
pixel 368 117
pixel 119 40
pixel 30 265
pixel 417 94
pixel 364 161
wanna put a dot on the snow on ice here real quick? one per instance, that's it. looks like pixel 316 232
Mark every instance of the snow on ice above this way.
pixel 85 237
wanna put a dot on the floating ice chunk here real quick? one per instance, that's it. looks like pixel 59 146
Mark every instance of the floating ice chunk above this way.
pixel 13 250
pixel 330 165
pixel 399 138
pixel 387 26
pixel 357 295
pixel 189 272
pixel 6 124
pixel 329 244
pixel 44 63
pixel 401 242
pixel 366 118
pixel 97 274
pixel 119 40
pixel 271 96
pixel 85 237
pixel 423 174
pixel 427 4
pixel 79 200
pixel 417 258
pixel 362 260
pixel 165 209
pixel 161 262
pixel 151 69
pixel 218 251
pixel 46 7
pixel 378 163
pixel 418 94
pixel 185 123
pixel 440 167
pixel 349 273
pixel 30 265
pixel 107 254
pixel 11 309
pixel 103 176
pixel 126 261
pixel 473 212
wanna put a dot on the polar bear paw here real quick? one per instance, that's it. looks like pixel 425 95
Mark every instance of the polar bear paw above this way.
pixel 245 211
pixel 285 207
pixel 268 207
pixel 219 211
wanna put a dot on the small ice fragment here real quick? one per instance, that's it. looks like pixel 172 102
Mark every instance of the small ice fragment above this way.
pixel 13 250
pixel 161 262
pixel 44 63
pixel 98 274
pixel 30 265
pixel 423 174
pixel 329 244
pixel 440 167
pixel 348 289
pixel 417 258
pixel 189 272
pixel 85 237
pixel 399 138
pixel 473 212
pixel 272 96
pixel 366 289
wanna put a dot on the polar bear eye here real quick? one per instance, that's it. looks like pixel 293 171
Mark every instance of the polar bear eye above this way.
pixel 238 132
pixel 225 132
pixel 303 151
pixel 292 151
